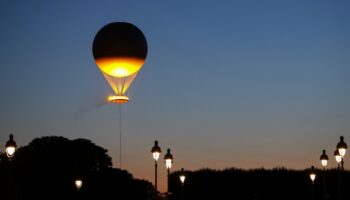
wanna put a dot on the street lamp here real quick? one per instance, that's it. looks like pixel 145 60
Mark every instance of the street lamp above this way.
pixel 78 183
pixel 155 152
pixel 341 146
pixel 312 177
pixel 168 163
pixel 10 147
pixel 324 160
pixel 182 179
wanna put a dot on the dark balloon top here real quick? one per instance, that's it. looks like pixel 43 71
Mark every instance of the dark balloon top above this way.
pixel 119 39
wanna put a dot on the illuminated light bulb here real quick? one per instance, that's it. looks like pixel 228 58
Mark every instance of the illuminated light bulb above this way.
pixel 78 183
pixel 10 147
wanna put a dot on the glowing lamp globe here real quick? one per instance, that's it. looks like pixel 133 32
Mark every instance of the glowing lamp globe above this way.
pixel 342 146
pixel 182 176
pixel 168 159
pixel 312 177
pixel 312 174
pixel 155 155
pixel 78 183
pixel 156 151
pixel 168 163
pixel 10 151
pixel 337 156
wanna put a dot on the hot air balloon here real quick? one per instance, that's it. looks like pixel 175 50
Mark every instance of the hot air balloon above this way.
pixel 119 50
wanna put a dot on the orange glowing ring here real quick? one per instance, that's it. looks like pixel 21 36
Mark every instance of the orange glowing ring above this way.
pixel 118 99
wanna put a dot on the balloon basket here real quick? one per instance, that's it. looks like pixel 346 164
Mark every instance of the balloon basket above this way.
pixel 118 99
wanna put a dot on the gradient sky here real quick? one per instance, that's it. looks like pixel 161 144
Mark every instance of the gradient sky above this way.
pixel 227 84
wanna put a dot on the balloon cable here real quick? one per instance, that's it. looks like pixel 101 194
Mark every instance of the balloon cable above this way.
pixel 120 136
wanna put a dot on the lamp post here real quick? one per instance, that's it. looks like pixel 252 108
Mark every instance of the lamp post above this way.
pixel 155 153
pixel 10 147
pixel 168 163
pixel 324 160
pixel 182 180
pixel 338 158
pixel 342 146
pixel 312 177
pixel 182 176
pixel 78 183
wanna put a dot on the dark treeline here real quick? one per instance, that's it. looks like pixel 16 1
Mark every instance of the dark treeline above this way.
pixel 46 169
pixel 256 184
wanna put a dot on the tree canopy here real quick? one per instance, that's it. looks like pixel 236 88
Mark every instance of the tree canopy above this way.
pixel 47 167
pixel 258 184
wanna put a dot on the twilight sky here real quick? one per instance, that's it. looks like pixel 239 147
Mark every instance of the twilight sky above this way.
pixel 232 83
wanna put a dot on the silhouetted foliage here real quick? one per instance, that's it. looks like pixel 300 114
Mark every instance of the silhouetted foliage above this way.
pixel 256 184
pixel 48 167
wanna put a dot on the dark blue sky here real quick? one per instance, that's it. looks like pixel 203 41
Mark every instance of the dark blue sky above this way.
pixel 230 83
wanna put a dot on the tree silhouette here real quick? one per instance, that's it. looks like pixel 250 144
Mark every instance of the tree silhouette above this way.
pixel 47 167
pixel 255 184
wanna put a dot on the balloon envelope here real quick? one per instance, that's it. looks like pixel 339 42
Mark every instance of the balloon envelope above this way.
pixel 119 49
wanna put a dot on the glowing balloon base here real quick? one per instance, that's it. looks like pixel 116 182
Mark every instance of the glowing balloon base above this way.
pixel 118 99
